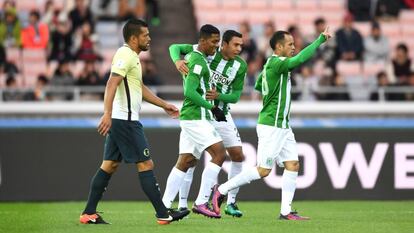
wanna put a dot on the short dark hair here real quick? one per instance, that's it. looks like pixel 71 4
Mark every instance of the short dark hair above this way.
pixel 35 13
pixel 375 25
pixel 318 21
pixel 132 27
pixel 207 30
pixel 277 37
pixel 229 34
pixel 403 47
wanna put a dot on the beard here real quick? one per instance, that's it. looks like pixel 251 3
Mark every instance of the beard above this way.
pixel 143 47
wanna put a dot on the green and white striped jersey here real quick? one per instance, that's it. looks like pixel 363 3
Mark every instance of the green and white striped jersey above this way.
pixel 276 86
pixel 200 72
pixel 227 76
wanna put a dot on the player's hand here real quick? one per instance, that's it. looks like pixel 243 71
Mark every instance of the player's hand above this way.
pixel 105 124
pixel 181 66
pixel 218 114
pixel 212 94
pixel 326 33
pixel 172 111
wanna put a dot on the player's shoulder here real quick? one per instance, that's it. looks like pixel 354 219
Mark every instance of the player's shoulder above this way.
pixel 124 51
pixel 195 57
pixel 240 60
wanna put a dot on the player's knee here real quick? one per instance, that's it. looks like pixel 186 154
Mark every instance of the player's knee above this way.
pixel 145 166
pixel 109 166
pixel 263 172
pixel 185 162
pixel 292 166
pixel 237 156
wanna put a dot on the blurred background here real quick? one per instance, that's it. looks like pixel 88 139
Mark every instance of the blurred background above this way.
pixel 352 110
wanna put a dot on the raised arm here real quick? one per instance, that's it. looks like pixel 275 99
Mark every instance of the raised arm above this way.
pixel 309 51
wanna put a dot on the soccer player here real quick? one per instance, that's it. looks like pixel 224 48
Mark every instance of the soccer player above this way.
pixel 125 139
pixel 228 74
pixel 276 140
pixel 197 132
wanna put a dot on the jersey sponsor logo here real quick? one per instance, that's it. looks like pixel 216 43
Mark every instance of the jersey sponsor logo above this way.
pixel 146 152
pixel 216 77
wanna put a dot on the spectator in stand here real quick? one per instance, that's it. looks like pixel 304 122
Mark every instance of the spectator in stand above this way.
pixel 263 41
pixel 338 81
pixel 61 42
pixel 383 82
pixel 409 3
pixel 150 76
pixel 387 10
pixel 349 44
pixel 410 96
pixel 377 47
pixel 86 44
pixel 36 34
pixel 249 50
pixel 10 29
pixel 105 10
pixel 307 84
pixel 360 9
pixel 90 76
pixel 401 66
pixel 297 37
pixel 12 93
pixel 6 66
pixel 80 15
pixel 63 76
pixel 38 93
pixel 325 52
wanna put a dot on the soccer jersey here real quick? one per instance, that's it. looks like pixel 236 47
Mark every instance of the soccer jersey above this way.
pixel 276 86
pixel 226 75
pixel 128 97
pixel 197 78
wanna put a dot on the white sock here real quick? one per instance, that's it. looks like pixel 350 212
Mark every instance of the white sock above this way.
pixel 235 169
pixel 288 191
pixel 185 188
pixel 208 180
pixel 242 178
pixel 174 182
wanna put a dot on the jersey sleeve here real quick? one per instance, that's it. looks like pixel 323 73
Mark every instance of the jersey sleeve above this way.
pixel 304 55
pixel 179 49
pixel 192 82
pixel 258 84
pixel 120 63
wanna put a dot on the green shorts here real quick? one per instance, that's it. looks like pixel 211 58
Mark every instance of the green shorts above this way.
pixel 126 142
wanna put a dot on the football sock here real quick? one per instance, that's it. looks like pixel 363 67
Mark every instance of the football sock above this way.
pixel 208 179
pixel 97 188
pixel 288 191
pixel 152 190
pixel 235 169
pixel 174 182
pixel 185 188
pixel 242 178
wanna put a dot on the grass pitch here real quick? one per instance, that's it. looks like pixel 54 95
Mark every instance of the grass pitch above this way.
pixel 327 216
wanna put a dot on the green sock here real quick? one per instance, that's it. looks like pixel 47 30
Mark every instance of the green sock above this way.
pixel 98 186
pixel 151 189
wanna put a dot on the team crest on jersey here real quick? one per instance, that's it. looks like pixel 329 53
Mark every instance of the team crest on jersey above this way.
pixel 229 72
pixel 146 152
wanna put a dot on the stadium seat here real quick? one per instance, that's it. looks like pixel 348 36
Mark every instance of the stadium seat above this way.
pixel 204 17
pixel 308 17
pixel 279 6
pixel 232 4
pixel 27 5
pixel 257 5
pixel 363 28
pixel 406 16
pixel 202 5
pixel 371 69
pixel 13 55
pixel 331 5
pixel 349 68
pixel 307 5
pixel 391 29
pixel 32 71
pixel 235 17
pixel 284 19
pixel 258 17
pixel 407 30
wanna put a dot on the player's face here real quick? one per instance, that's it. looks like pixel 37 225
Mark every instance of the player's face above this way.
pixel 212 44
pixel 288 47
pixel 144 39
pixel 234 47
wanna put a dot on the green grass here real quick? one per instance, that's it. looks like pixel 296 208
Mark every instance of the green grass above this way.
pixel 327 216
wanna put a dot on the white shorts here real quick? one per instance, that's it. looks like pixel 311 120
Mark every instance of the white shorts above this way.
pixel 275 145
pixel 196 136
pixel 228 132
